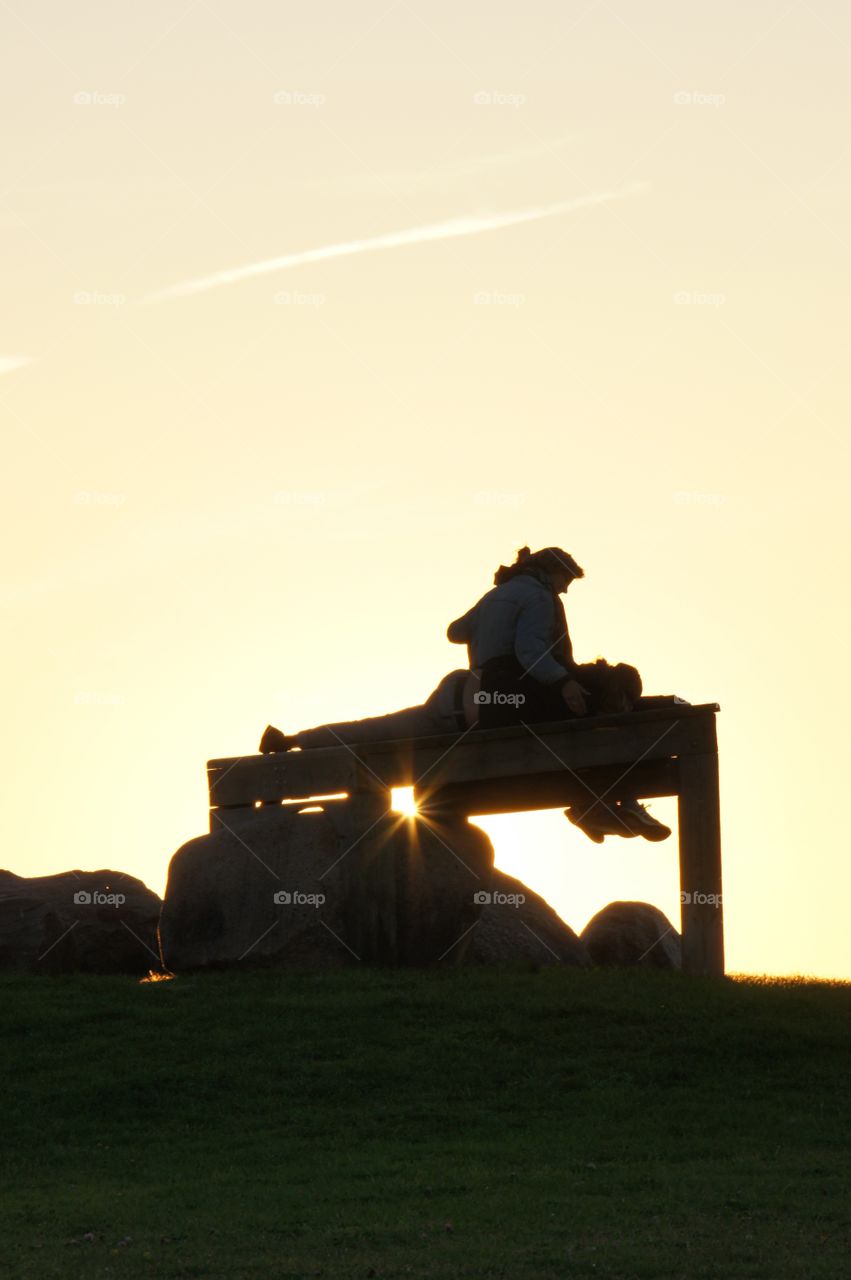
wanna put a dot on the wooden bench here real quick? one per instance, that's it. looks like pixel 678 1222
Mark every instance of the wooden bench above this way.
pixel 661 750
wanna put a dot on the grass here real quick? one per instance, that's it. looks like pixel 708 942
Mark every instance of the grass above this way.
pixel 479 1123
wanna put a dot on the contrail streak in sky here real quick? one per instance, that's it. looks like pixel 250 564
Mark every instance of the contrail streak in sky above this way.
pixel 468 225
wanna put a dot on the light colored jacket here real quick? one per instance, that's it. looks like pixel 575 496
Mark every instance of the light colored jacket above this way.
pixel 518 618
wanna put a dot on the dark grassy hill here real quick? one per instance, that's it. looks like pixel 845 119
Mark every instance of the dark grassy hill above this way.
pixel 445 1124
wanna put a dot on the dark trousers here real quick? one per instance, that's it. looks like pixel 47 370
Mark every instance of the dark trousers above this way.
pixel 509 695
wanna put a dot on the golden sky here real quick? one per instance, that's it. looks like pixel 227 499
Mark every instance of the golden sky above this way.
pixel 471 276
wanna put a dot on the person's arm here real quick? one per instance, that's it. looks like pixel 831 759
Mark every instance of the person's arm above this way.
pixel 461 630
pixel 533 646
pixel 534 642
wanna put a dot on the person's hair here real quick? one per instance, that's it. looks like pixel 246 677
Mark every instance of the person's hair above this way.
pixel 547 560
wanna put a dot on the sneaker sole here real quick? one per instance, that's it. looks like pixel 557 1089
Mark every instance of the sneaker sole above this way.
pixel 651 833
pixel 593 833
pixel 654 835
pixel 645 825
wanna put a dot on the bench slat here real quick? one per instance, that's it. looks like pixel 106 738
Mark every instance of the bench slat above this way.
pixel 477 756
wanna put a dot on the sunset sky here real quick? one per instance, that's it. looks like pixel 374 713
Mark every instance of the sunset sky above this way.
pixel 314 314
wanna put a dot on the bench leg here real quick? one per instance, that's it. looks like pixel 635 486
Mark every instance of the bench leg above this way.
pixel 702 918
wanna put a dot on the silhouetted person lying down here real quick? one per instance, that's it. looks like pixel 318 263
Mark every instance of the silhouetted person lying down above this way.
pixel 442 712
pixel 522 671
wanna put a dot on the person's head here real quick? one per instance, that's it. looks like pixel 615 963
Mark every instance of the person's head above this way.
pixel 557 566
pixel 620 690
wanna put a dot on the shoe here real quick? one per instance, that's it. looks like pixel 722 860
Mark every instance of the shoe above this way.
pixel 585 827
pixel 274 740
pixel 600 820
pixel 641 823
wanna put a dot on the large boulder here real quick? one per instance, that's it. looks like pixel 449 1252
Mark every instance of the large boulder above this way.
pixel 78 921
pixel 332 885
pixel 517 924
pixel 632 933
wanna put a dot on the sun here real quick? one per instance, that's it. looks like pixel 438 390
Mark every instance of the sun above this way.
pixel 402 801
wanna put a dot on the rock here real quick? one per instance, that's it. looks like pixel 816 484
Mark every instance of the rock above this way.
pixel 78 921
pixel 632 933
pixel 310 889
pixel 517 924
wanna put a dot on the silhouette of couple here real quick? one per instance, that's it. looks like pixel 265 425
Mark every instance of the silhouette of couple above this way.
pixel 521 671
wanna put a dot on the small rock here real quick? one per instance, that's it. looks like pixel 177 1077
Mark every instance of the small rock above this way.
pixel 632 933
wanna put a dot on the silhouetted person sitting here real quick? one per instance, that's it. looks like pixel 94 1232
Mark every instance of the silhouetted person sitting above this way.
pixel 518 642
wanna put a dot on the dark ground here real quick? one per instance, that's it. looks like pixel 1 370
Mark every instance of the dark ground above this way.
pixel 627 1125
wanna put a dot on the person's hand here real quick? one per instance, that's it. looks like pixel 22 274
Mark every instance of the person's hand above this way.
pixel 572 692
